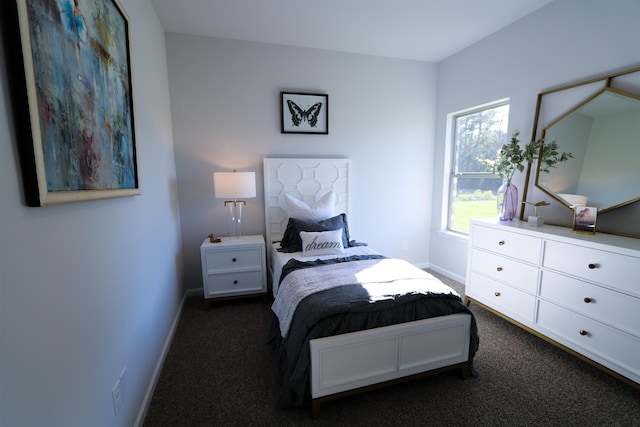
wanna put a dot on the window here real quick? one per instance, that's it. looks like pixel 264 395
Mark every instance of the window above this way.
pixel 476 134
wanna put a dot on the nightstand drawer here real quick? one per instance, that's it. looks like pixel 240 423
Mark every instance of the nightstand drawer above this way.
pixel 506 270
pixel 233 259
pixel 234 283
pixel 233 267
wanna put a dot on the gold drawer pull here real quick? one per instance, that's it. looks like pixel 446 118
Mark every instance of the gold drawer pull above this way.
pixel 593 266
pixel 583 332
pixel 588 300
pixel 497 294
pixel 501 243
pixel 499 268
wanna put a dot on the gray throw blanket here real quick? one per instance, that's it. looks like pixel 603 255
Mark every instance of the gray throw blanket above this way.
pixel 382 279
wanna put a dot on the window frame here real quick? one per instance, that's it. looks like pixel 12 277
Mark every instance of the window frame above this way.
pixel 451 175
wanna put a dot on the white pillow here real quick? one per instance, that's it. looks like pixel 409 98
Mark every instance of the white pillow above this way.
pixel 322 242
pixel 322 209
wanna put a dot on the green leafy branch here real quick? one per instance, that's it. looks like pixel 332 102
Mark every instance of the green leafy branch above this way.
pixel 511 157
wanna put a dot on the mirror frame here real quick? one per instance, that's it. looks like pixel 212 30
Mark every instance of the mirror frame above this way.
pixel 568 98
pixel 568 114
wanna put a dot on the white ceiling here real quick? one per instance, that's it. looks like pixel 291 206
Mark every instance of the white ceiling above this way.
pixel 426 30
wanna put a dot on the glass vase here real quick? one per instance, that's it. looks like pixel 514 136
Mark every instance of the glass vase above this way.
pixel 507 201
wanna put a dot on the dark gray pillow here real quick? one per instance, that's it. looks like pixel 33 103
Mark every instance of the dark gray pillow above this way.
pixel 291 241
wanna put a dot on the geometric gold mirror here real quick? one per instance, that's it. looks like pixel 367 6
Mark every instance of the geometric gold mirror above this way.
pixel 598 121
pixel 603 134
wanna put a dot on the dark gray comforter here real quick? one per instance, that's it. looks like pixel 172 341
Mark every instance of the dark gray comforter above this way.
pixel 347 309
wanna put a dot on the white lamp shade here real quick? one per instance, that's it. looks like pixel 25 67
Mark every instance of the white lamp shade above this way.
pixel 234 185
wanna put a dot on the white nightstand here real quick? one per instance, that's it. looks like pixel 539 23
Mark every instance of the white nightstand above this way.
pixel 233 268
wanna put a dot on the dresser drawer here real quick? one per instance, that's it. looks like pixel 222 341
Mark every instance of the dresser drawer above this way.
pixel 507 270
pixel 606 268
pixel 503 242
pixel 582 333
pixel 512 302
pixel 602 304
pixel 233 259
pixel 234 283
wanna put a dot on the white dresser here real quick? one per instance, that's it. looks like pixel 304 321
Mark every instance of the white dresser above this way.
pixel 234 267
pixel 580 292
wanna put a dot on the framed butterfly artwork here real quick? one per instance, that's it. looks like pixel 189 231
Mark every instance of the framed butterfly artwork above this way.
pixel 304 113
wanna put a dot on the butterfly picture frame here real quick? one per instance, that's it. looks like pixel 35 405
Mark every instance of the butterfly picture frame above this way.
pixel 304 113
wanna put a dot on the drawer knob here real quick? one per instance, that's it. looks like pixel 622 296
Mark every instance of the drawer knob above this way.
pixel 234 260
pixel 497 294
pixel 501 243
pixel 593 266
pixel 587 300
pixel 235 282
pixel 499 268
pixel 583 332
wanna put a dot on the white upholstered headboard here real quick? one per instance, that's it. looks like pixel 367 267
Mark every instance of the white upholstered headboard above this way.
pixel 306 179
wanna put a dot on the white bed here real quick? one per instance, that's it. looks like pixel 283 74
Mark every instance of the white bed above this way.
pixel 392 353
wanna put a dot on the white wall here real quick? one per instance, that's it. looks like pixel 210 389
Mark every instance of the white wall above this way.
pixel 563 42
pixel 89 288
pixel 225 110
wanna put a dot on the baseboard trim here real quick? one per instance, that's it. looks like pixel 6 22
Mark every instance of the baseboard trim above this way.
pixel 142 413
pixel 193 292
pixel 449 274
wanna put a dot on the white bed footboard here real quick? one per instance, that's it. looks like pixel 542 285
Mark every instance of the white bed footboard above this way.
pixel 352 361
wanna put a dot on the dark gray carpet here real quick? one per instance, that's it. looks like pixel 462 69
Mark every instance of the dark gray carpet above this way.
pixel 220 372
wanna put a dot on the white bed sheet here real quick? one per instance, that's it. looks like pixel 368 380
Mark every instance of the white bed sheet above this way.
pixel 279 259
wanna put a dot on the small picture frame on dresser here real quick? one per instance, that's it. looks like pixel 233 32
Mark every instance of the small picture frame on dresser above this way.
pixel 584 219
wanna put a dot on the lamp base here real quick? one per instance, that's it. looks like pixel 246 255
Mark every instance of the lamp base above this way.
pixel 235 217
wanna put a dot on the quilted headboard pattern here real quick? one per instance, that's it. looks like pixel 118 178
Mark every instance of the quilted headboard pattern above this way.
pixel 306 179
